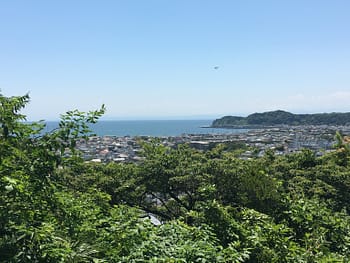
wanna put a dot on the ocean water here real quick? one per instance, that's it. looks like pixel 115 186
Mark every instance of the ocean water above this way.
pixel 155 128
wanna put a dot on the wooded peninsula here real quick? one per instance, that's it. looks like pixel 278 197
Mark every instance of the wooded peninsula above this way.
pixel 280 117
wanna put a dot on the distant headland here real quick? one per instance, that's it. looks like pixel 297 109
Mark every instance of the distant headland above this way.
pixel 280 117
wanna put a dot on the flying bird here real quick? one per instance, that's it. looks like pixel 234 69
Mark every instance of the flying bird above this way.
pixel 216 67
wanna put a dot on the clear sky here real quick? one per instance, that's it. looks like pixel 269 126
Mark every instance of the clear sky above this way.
pixel 163 59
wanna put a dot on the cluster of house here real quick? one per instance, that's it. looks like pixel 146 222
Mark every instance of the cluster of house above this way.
pixel 283 140
pixel 109 148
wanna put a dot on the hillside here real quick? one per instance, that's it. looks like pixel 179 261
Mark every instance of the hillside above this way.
pixel 280 117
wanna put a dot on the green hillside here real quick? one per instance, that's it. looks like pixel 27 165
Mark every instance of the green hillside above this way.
pixel 280 117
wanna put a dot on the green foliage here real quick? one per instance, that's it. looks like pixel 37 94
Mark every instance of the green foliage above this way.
pixel 213 206
pixel 176 178
pixel 342 153
pixel 10 116
pixel 244 183
pixel 318 229
pixel 27 207
pixel 280 117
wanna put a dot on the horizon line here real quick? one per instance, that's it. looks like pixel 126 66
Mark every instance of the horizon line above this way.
pixel 188 117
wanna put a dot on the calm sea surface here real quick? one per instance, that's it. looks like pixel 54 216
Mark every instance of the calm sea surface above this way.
pixel 153 128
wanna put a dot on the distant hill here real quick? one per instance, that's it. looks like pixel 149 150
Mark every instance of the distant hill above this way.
pixel 280 117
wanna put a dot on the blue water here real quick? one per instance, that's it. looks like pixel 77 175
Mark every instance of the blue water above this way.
pixel 154 128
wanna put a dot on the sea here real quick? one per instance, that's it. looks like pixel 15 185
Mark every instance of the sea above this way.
pixel 154 128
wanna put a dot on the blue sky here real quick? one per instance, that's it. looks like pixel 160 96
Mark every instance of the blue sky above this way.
pixel 155 59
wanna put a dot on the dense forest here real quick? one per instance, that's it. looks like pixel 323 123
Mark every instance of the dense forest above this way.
pixel 280 117
pixel 212 206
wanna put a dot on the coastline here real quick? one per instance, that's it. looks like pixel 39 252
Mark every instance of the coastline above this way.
pixel 283 140
pixel 247 127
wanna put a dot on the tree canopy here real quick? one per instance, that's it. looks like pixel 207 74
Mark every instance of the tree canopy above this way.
pixel 280 117
pixel 211 205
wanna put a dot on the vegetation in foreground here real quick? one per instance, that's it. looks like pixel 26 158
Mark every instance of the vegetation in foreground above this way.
pixel 214 207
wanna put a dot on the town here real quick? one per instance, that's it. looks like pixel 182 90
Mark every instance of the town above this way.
pixel 283 140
